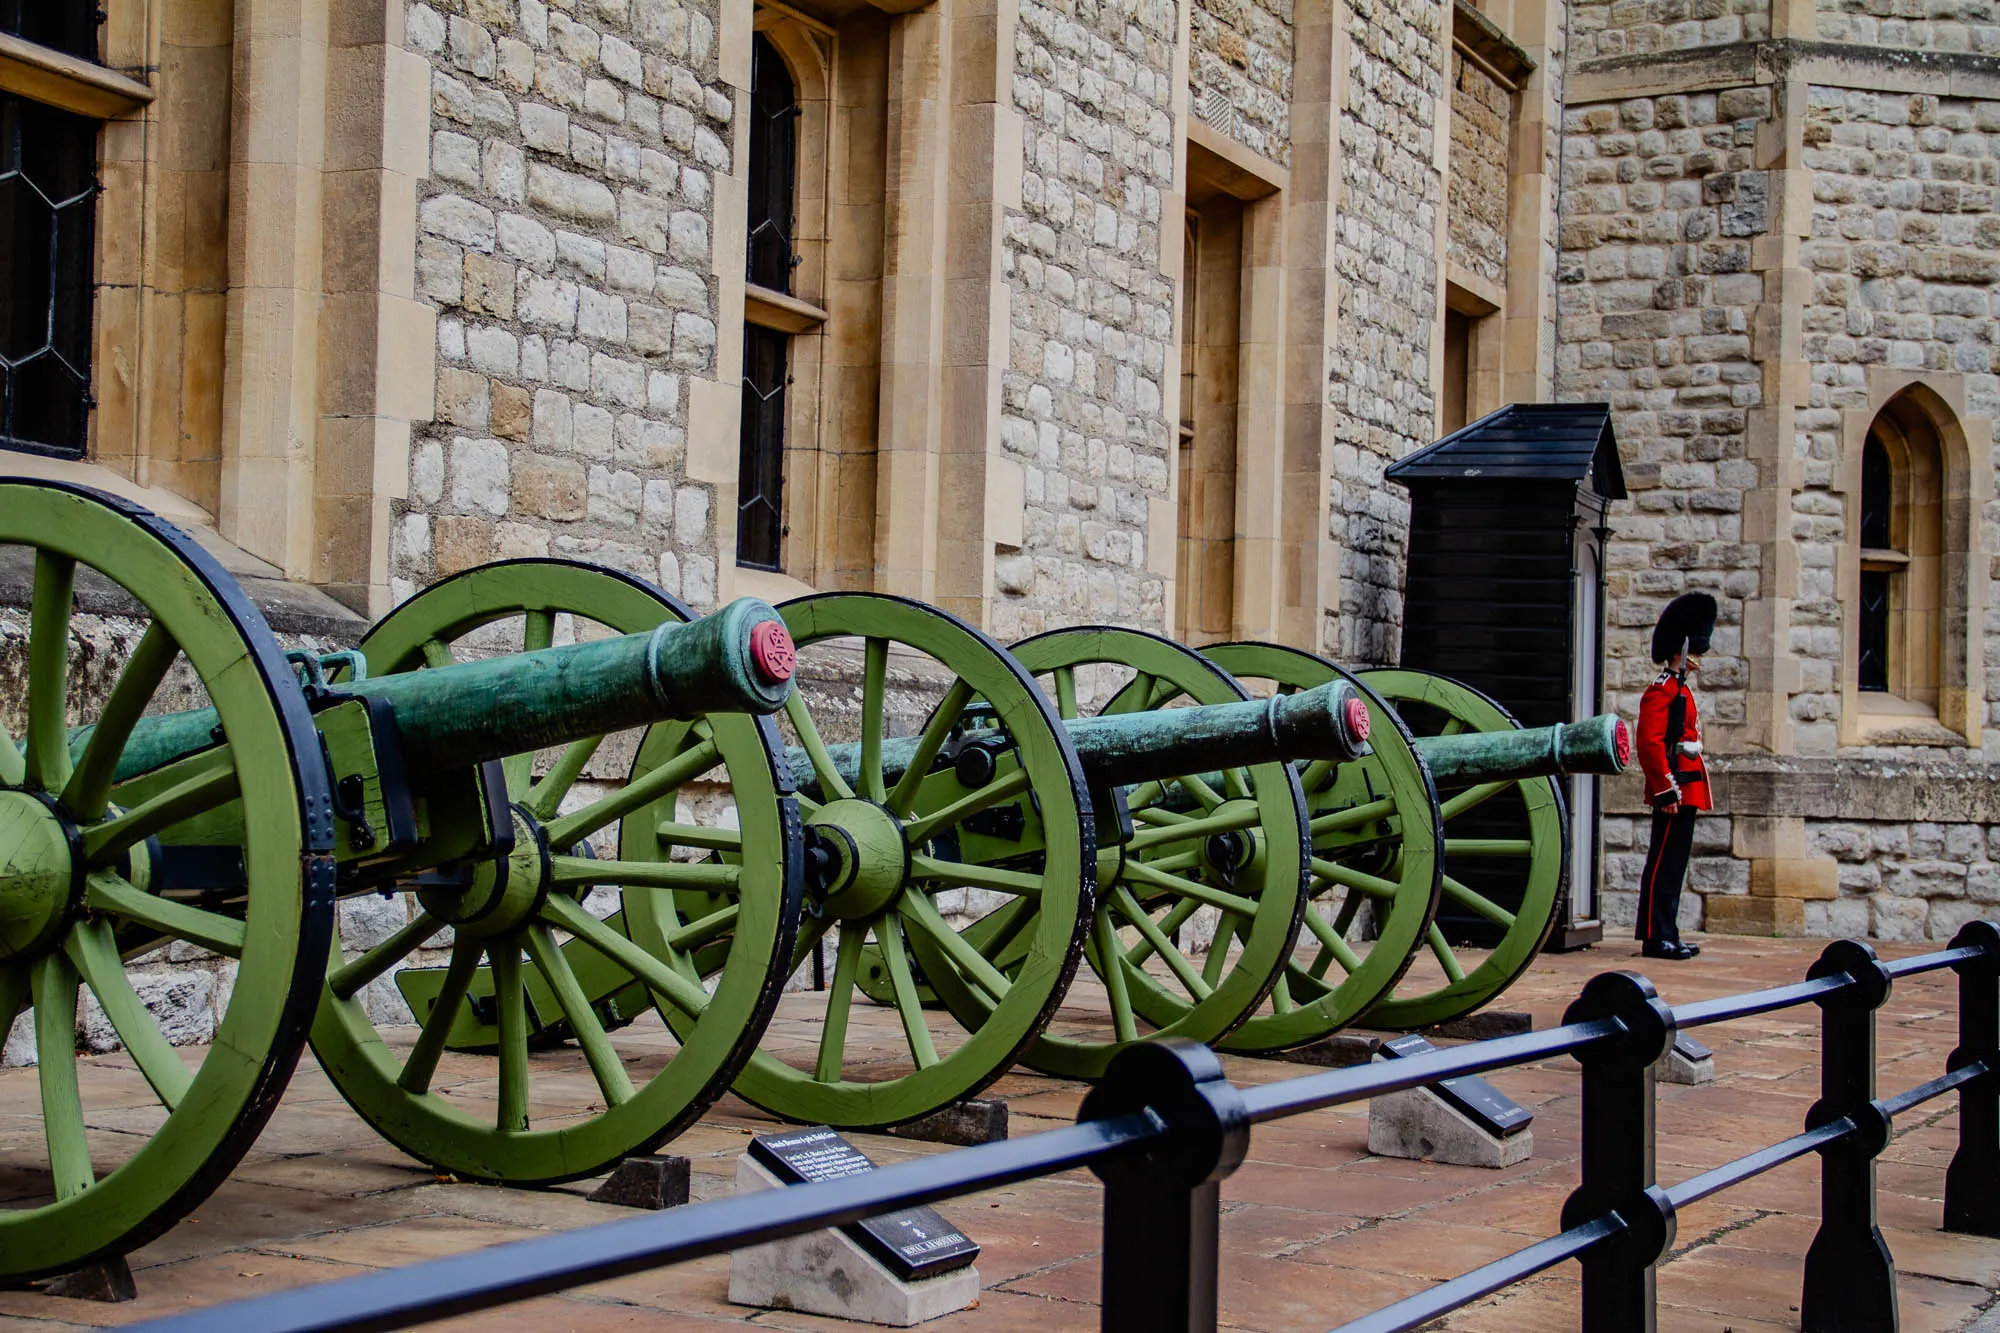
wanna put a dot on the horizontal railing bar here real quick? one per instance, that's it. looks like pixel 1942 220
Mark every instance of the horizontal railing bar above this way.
pixel 521 1270
pixel 1275 1101
pixel 1937 1087
pixel 1716 1179
pixel 1703 1012
pixel 1418 1310
pixel 1932 962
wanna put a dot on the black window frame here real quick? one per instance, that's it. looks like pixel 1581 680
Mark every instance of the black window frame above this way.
pixel 1877 522
pixel 772 167
pixel 48 227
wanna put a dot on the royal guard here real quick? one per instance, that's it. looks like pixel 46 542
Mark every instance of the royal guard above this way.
pixel 1676 774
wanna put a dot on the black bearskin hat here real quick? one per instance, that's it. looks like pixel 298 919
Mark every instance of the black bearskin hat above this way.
pixel 1687 624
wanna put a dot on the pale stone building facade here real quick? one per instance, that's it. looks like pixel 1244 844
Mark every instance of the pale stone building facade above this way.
pixel 1058 311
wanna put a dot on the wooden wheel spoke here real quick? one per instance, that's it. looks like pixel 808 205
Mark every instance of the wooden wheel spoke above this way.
pixel 1136 697
pixel 1473 901
pixel 1317 774
pixel 89 786
pixel 1236 784
pixel 537 633
pixel 1340 821
pixel 936 731
pixel 920 831
pixel 811 932
pixel 47 760
pixel 209 786
pixel 95 953
pixel 1201 791
pixel 699 835
pixel 874 689
pixel 660 978
pixel 1459 803
pixel 546 798
pixel 1453 727
pixel 1446 958
pixel 1123 1022
pixel 107 892
pixel 707 930
pixel 13 768
pixel 1176 961
pixel 1217 959
pixel 909 1003
pixel 839 1004
pixel 437 653
pixel 1183 911
pixel 1360 881
pixel 598 1052
pixel 421 1063
pixel 1512 848
pixel 1331 943
pixel 1192 829
pixel 1140 872
pixel 930 869
pixel 675 773
pixel 705 876
pixel 1065 678
pixel 1281 992
pixel 830 782
pixel 347 979
pixel 510 1003
pixel 921 914
pixel 54 988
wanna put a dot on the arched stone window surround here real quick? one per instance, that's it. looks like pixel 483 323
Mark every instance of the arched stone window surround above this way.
pixel 1920 418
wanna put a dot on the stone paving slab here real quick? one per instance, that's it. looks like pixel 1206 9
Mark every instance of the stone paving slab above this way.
pixel 1314 1230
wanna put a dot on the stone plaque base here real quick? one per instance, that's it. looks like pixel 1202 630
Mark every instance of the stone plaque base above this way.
pixel 1687 1061
pixel 825 1273
pixel 1417 1124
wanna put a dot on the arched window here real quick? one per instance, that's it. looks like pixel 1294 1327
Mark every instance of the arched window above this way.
pixel 773 172
pixel 48 218
pixel 1901 535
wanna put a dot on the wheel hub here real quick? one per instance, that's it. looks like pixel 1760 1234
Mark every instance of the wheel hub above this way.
pixel 500 895
pixel 40 874
pixel 1227 855
pixel 871 862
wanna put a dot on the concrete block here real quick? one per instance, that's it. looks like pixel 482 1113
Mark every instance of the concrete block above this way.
pixel 110 1282
pixel 1679 1067
pixel 963 1124
pixel 1417 1124
pixel 826 1273
pixel 1342 1050
pixel 652 1182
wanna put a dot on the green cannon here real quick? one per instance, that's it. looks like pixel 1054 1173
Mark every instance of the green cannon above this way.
pixel 274 811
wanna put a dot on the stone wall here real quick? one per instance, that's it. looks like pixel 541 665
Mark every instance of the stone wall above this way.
pixel 1240 72
pixel 564 236
pixel 1601 28
pixel 1923 25
pixel 1385 254
pixel 1092 315
pixel 1480 110
pixel 1659 208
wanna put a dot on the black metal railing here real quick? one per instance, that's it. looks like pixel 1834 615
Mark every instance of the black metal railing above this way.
pixel 1165 1127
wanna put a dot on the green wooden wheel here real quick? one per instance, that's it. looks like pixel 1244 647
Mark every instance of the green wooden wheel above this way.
pixel 557 975
pixel 1520 845
pixel 91 875
pixel 987 813
pixel 1229 859
pixel 1376 842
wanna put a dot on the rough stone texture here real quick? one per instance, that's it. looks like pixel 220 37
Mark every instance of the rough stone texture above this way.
pixel 1638 27
pixel 564 237
pixel 1386 257
pixel 1417 1124
pixel 1660 206
pixel 1240 72
pixel 1922 25
pixel 1092 314
pixel 1477 236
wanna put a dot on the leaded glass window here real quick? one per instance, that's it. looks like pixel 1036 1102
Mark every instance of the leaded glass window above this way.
pixel 1877 510
pixel 774 143
pixel 773 171
pixel 62 25
pixel 761 477
pixel 48 207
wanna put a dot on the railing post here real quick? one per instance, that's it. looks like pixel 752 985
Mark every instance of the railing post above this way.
pixel 1972 1182
pixel 1163 1206
pixel 1850 1281
pixel 1618 1286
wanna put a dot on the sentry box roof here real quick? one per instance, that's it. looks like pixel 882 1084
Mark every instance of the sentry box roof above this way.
pixel 1525 442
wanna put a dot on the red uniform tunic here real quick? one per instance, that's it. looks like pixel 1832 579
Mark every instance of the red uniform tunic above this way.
pixel 1672 761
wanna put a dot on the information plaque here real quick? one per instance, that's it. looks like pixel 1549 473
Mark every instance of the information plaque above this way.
pixel 914 1243
pixel 1470 1095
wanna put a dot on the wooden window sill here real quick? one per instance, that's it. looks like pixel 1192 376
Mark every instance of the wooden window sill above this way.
pixel 775 310
pixel 65 82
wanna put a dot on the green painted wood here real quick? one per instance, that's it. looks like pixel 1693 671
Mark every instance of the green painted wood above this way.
pixel 741 943
pixel 211 1113
pixel 1373 822
pixel 947 1057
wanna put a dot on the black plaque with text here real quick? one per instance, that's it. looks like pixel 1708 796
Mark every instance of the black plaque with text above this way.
pixel 1471 1095
pixel 914 1243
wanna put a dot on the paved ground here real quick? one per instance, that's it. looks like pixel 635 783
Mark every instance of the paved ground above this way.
pixel 1315 1231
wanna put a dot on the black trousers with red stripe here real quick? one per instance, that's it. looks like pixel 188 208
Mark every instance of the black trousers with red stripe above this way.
pixel 1666 871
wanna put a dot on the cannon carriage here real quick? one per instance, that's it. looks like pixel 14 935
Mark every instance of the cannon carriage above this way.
pixel 572 832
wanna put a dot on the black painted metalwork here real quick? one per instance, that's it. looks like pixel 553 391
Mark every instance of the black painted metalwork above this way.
pixel 1165 1127
pixel 48 212
pixel 760 482
pixel 69 26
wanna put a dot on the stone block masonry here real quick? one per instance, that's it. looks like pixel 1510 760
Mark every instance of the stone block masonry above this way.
pixel 1917 25
pixel 1480 106
pixel 565 237
pixel 1091 313
pixel 1240 72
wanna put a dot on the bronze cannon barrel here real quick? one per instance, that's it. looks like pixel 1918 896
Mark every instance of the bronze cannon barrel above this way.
pixel 1326 723
pixel 1601 744
pixel 738 660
